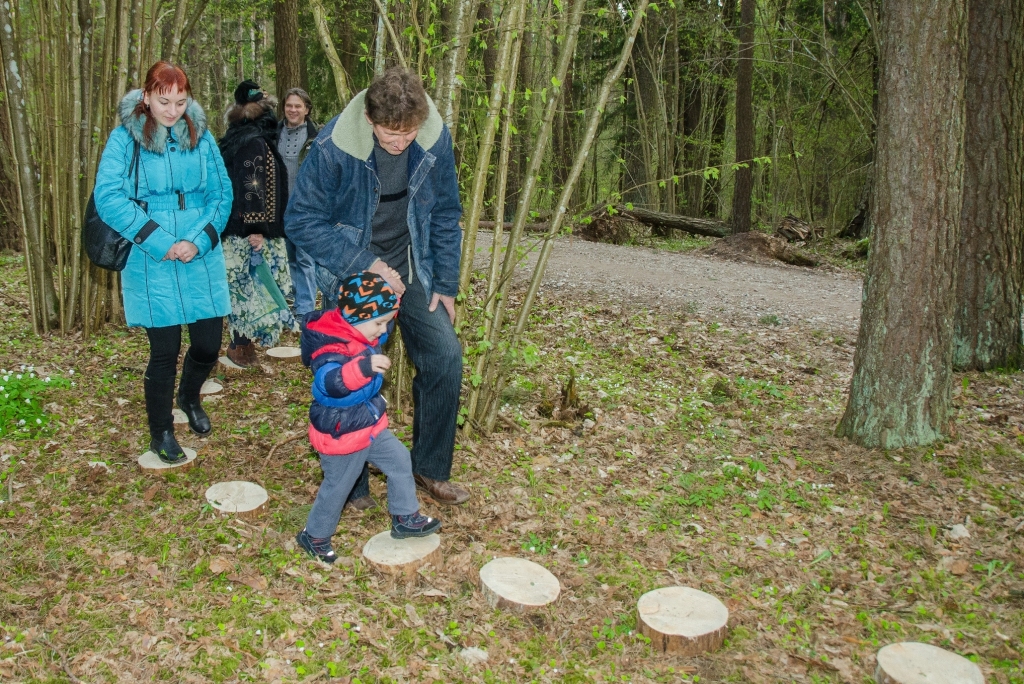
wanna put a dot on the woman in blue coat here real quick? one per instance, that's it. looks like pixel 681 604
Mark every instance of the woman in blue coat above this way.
pixel 175 274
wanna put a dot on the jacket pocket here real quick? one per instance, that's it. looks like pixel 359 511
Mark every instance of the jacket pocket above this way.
pixel 351 233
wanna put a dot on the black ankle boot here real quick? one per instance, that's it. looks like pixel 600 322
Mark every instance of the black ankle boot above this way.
pixel 193 375
pixel 159 395
pixel 165 446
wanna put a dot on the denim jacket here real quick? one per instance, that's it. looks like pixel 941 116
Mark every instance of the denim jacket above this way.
pixel 330 213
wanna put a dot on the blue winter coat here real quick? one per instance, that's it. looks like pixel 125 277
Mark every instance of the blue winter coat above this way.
pixel 330 212
pixel 188 197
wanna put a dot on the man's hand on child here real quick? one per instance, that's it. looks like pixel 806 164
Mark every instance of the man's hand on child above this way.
pixel 379 363
pixel 390 275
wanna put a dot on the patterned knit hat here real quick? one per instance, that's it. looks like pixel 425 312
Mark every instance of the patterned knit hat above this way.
pixel 365 296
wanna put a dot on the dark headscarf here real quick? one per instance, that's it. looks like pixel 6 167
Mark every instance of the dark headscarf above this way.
pixel 244 130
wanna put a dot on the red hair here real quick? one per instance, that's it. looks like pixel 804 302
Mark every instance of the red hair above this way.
pixel 161 78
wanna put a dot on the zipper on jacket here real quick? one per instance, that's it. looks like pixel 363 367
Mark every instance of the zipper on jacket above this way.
pixel 181 200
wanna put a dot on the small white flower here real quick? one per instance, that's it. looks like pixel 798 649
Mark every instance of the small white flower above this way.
pixel 39 421
pixel 19 376
pixel 21 422
pixel 47 379
pixel 28 401
pixel 71 372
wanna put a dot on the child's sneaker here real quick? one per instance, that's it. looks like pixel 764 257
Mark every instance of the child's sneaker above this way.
pixel 317 548
pixel 414 525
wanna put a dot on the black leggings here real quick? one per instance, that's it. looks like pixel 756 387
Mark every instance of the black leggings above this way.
pixel 165 344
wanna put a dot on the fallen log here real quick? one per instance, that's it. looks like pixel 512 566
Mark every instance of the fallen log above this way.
pixel 529 227
pixel 687 224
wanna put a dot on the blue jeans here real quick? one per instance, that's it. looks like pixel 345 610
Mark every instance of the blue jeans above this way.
pixel 340 472
pixel 436 353
pixel 303 271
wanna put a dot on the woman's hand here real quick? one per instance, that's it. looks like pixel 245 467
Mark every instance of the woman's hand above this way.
pixel 379 363
pixel 183 251
pixel 256 241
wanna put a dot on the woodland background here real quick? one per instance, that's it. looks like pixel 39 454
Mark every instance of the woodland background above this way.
pixel 666 139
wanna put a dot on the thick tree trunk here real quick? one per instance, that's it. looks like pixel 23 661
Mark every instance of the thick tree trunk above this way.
pixel 988 301
pixel 286 46
pixel 744 179
pixel 900 394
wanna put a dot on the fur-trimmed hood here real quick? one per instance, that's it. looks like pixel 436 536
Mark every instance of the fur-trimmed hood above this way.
pixel 353 134
pixel 134 124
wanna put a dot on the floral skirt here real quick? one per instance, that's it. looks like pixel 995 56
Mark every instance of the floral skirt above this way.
pixel 254 312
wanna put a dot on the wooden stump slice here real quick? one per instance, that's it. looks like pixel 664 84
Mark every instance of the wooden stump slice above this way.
pixel 911 662
pixel 149 462
pixel 179 417
pixel 293 354
pixel 229 366
pixel 244 499
pixel 517 584
pixel 210 387
pixel 682 620
pixel 402 557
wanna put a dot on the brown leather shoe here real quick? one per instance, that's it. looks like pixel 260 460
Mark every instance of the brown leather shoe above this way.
pixel 243 355
pixel 442 491
pixel 363 503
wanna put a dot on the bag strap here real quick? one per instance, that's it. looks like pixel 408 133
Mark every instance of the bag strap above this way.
pixel 134 168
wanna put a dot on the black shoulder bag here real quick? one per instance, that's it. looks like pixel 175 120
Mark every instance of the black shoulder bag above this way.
pixel 104 245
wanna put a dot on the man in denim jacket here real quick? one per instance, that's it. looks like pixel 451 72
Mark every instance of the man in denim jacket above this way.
pixel 378 192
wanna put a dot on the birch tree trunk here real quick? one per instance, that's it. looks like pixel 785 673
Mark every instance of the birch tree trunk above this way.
pixel 509 25
pixel 558 219
pixel 988 311
pixel 900 393
pixel 341 83
pixel 446 96
pixel 43 294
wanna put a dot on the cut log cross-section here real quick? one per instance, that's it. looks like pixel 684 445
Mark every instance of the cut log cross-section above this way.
pixel 402 557
pixel 229 366
pixel 517 584
pixel 151 463
pixel 285 354
pixel 244 499
pixel 682 620
pixel 210 387
pixel 911 662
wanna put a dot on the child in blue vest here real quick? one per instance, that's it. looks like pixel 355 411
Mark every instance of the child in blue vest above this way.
pixel 347 419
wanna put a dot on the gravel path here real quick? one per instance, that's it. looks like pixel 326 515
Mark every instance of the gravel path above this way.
pixel 697 283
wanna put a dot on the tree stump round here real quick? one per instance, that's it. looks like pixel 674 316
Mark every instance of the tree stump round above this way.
pixel 402 557
pixel 229 366
pixel 179 417
pixel 911 662
pixel 682 620
pixel 517 584
pixel 210 387
pixel 285 354
pixel 149 462
pixel 244 499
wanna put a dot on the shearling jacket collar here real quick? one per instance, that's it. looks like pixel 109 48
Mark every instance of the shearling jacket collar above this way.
pixel 134 123
pixel 353 134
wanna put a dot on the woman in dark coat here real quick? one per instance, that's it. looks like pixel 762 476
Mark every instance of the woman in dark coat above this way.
pixel 255 230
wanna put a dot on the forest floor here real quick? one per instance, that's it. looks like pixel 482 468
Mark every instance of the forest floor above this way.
pixel 709 461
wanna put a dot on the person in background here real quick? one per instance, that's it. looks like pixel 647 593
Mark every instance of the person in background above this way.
pixel 295 134
pixel 175 272
pixel 255 230
pixel 379 192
